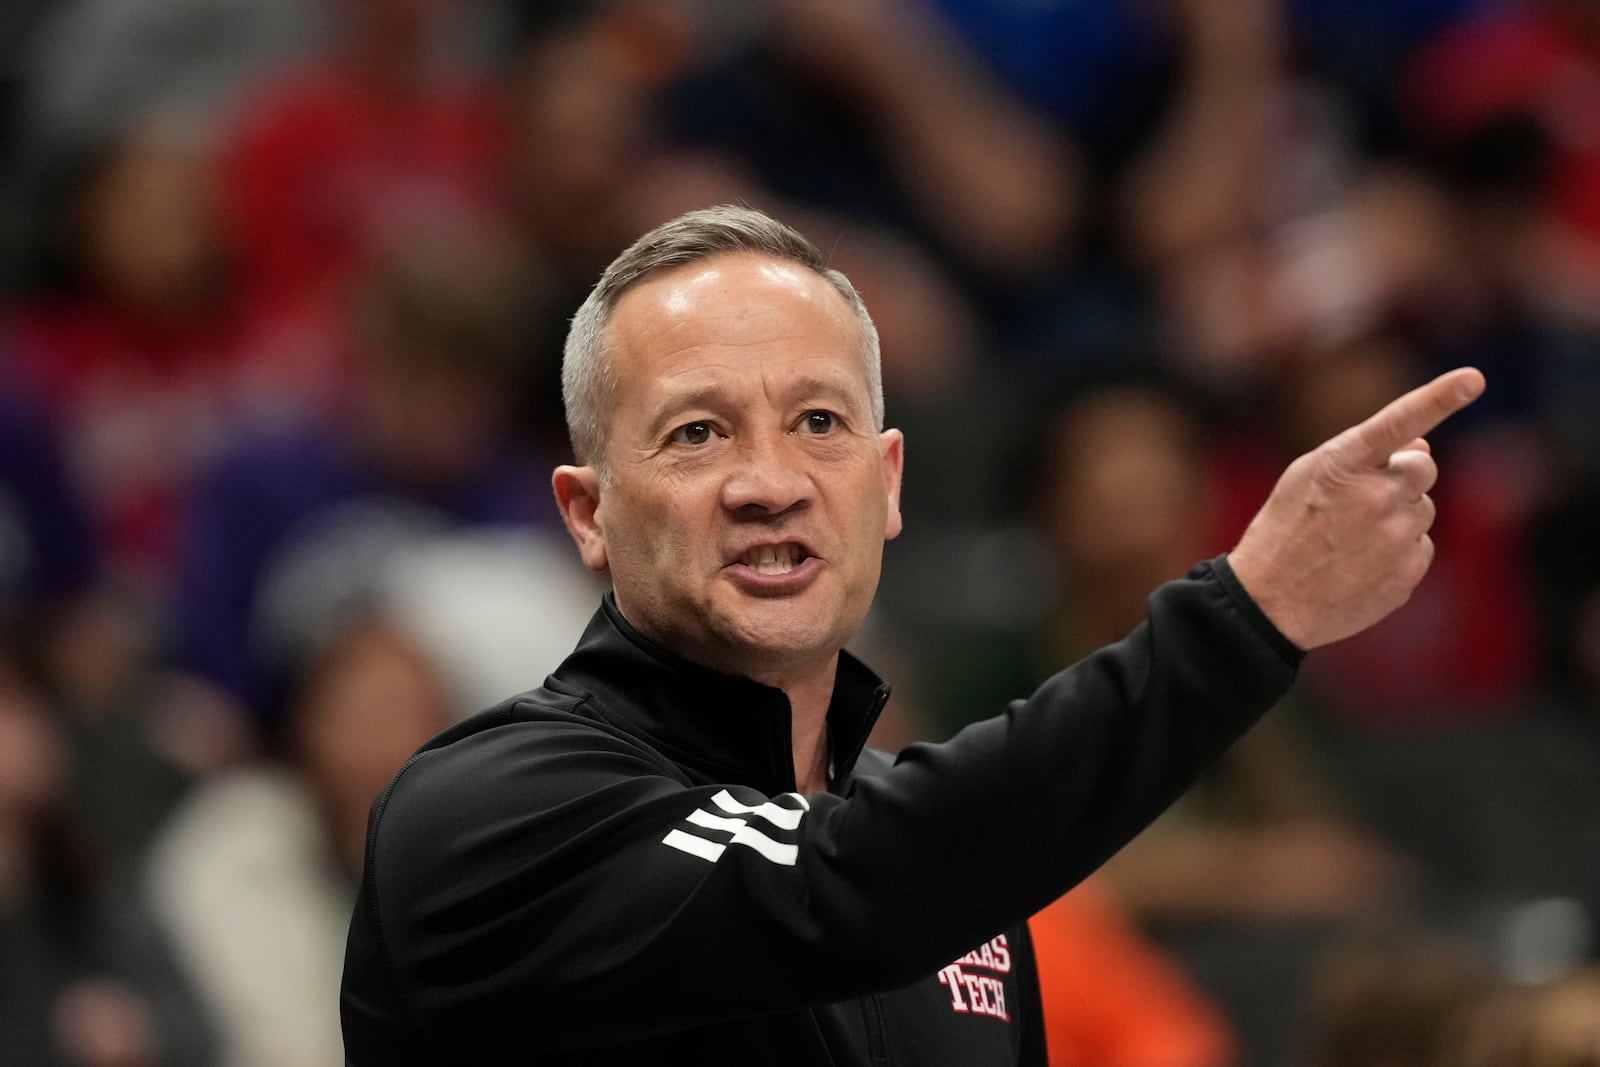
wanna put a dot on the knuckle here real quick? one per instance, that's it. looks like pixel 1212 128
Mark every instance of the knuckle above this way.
pixel 1314 465
pixel 1379 497
pixel 1334 458
pixel 1423 471
pixel 1418 560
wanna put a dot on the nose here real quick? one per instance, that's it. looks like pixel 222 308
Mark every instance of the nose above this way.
pixel 768 477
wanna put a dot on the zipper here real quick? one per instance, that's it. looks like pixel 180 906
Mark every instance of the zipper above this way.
pixel 877 1042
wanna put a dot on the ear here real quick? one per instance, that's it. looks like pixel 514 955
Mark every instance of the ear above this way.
pixel 891 447
pixel 578 497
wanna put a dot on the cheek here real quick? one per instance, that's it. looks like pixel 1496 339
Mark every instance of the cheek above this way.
pixel 649 541
pixel 864 524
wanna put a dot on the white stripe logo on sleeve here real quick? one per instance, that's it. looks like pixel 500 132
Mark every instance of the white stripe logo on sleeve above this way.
pixel 733 822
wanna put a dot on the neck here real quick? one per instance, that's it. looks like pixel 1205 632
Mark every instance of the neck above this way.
pixel 812 756
pixel 809 699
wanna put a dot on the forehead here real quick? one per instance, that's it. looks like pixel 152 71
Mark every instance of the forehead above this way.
pixel 703 278
pixel 731 308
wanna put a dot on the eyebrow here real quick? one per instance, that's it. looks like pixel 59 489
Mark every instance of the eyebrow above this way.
pixel 704 396
pixel 713 395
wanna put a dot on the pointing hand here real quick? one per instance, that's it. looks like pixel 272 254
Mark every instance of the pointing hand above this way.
pixel 1343 539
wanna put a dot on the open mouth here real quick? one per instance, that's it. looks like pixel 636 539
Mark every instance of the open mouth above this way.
pixel 774 559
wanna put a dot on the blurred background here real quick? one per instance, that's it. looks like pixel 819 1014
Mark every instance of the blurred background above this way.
pixel 282 292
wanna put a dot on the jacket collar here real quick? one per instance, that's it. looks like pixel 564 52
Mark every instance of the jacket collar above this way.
pixel 723 726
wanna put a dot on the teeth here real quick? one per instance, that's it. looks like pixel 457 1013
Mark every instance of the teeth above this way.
pixel 773 559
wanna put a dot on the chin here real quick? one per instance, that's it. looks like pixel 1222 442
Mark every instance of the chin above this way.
pixel 767 644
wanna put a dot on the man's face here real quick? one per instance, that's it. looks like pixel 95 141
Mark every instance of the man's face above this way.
pixel 750 491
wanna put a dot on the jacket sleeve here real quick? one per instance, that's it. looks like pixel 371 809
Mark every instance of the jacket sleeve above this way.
pixel 576 888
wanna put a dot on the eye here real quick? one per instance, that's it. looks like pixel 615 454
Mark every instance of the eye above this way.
pixel 692 433
pixel 820 422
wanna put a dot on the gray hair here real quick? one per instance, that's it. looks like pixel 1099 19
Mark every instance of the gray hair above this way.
pixel 588 379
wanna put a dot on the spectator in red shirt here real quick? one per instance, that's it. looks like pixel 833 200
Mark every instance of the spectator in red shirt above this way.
pixel 332 161
pixel 135 345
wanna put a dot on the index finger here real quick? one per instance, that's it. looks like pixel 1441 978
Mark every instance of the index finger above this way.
pixel 1403 420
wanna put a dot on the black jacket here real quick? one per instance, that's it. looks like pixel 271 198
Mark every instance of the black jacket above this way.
pixel 613 869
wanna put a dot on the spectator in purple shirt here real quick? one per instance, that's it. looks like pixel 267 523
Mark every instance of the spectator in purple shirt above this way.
pixel 289 531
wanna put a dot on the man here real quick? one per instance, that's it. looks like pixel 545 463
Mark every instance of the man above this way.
pixel 677 850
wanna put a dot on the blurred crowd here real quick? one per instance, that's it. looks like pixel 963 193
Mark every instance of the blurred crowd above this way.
pixel 282 293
